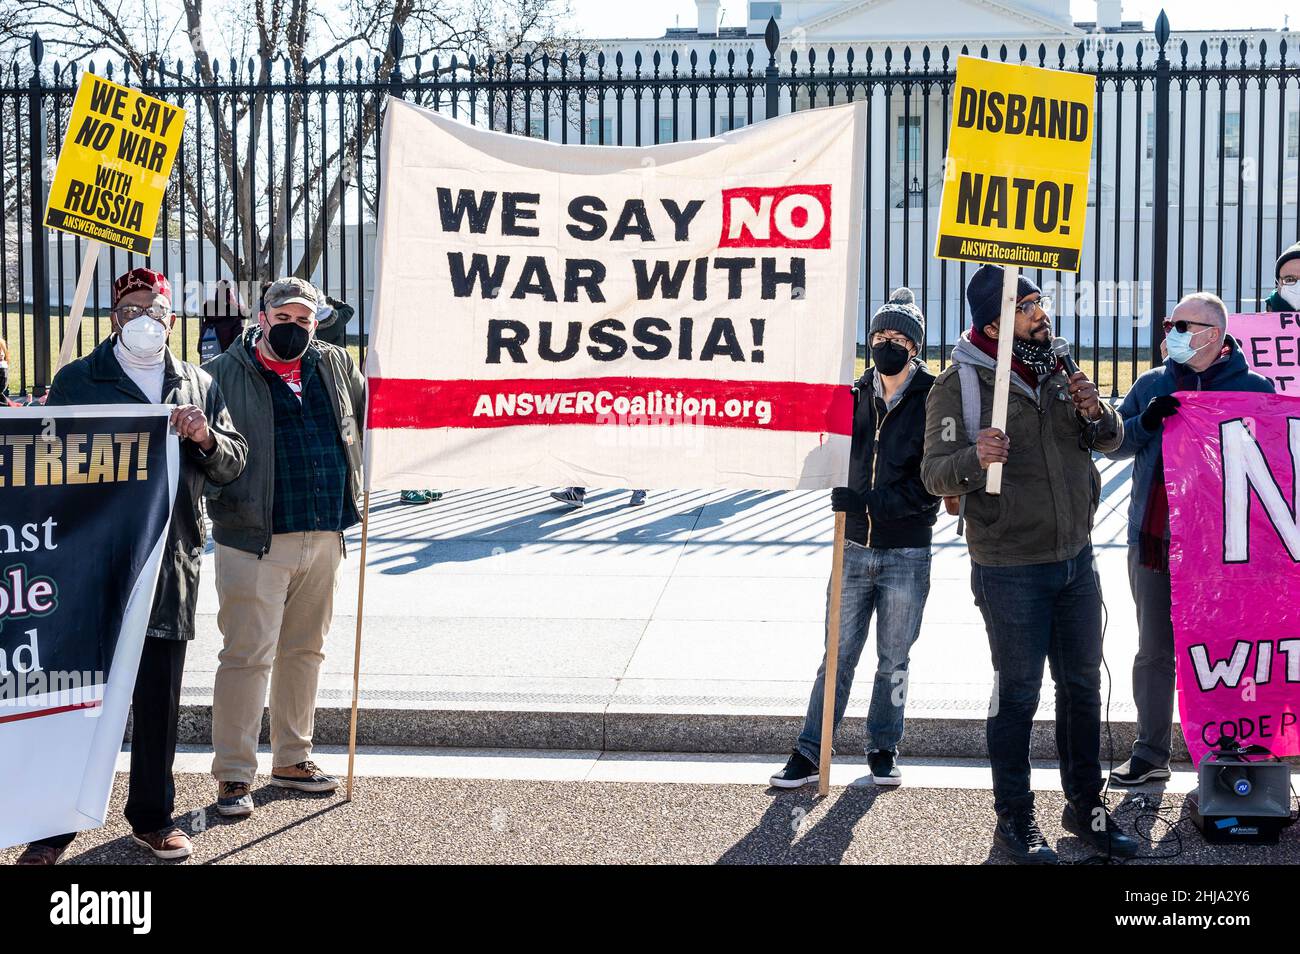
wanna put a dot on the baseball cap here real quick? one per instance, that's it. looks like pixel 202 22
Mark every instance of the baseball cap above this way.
pixel 290 291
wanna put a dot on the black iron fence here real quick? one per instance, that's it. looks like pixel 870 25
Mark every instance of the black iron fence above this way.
pixel 1197 156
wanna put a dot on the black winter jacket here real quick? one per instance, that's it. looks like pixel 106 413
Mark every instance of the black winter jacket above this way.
pixel 99 379
pixel 885 466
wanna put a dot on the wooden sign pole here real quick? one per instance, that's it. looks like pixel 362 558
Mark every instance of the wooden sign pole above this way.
pixel 832 658
pixel 72 331
pixel 356 656
pixel 1002 380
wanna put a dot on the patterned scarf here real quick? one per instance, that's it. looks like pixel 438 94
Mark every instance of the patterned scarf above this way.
pixel 1038 358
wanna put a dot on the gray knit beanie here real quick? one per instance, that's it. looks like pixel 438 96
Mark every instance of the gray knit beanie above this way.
pixel 900 314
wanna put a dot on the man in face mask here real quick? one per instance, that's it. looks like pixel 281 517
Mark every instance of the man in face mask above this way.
pixel 279 536
pixel 888 518
pixel 134 365
pixel 1202 357
pixel 1287 275
pixel 1032 569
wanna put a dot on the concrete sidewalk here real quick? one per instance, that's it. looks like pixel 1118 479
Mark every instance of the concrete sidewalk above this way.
pixel 695 623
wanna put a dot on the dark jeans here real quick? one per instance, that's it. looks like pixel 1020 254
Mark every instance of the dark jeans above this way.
pixel 1153 667
pixel 155 709
pixel 893 584
pixel 1052 612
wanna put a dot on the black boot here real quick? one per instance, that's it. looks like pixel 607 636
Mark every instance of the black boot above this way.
pixel 1094 825
pixel 1019 836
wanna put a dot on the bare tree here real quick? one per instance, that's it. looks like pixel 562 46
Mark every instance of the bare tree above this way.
pixel 282 161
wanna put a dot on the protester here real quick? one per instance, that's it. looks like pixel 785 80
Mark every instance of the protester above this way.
pixel 134 365
pixel 888 516
pixel 223 320
pixel 1202 357
pixel 279 537
pixel 1287 275
pixel 1032 568
pixel 4 368
pixel 576 497
pixel 333 318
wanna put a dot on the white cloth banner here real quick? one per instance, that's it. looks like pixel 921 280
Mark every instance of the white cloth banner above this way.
pixel 86 496
pixel 681 315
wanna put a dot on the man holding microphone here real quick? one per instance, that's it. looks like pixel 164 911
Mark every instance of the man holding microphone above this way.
pixel 1032 569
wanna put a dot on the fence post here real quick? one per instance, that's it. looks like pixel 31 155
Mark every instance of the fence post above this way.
pixel 1160 195
pixel 40 239
pixel 396 43
pixel 771 76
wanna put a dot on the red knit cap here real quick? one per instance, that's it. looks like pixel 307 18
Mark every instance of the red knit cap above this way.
pixel 141 279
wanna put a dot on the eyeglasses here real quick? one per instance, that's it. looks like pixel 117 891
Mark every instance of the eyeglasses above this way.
pixel 1288 280
pixel 1027 308
pixel 1182 324
pixel 132 312
pixel 880 337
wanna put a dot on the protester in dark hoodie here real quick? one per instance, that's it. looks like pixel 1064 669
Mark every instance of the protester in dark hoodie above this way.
pixel 1032 569
pixel 1202 357
pixel 1287 275
pixel 888 516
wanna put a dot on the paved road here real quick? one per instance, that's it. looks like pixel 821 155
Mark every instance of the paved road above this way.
pixel 556 820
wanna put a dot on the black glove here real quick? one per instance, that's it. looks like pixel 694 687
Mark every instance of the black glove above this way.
pixel 1166 405
pixel 844 500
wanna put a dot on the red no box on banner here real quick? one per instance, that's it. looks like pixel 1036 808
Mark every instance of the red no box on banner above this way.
pixel 789 405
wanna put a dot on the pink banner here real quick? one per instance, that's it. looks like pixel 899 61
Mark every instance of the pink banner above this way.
pixel 1271 345
pixel 1232 466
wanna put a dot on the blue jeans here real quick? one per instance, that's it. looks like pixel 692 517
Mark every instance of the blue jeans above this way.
pixel 1045 612
pixel 895 583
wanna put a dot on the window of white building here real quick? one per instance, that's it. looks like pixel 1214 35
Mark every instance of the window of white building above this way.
pixel 1231 136
pixel 665 129
pixel 1293 135
pixel 907 148
pixel 726 123
pixel 595 126
pixel 536 127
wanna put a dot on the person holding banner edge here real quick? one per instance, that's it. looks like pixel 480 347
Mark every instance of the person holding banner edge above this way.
pixel 1287 275
pixel 1202 357
pixel 135 365
pixel 1032 570
pixel 886 567
pixel 279 537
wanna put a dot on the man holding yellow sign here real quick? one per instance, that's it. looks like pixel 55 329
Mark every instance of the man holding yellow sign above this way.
pixel 1015 193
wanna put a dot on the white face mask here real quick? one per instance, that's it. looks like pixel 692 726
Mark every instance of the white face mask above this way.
pixel 1290 294
pixel 144 337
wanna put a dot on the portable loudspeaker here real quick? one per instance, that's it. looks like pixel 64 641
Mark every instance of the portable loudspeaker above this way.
pixel 1240 799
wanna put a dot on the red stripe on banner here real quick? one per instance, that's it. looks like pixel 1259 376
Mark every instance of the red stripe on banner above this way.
pixel 767 405
pixel 48 712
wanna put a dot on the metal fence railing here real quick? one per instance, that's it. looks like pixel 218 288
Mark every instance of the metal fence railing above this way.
pixel 1197 154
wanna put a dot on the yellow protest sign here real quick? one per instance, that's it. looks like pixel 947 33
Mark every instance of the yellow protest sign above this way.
pixel 1015 189
pixel 113 169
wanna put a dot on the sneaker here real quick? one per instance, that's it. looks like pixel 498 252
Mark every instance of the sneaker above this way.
pixel 1136 771
pixel 797 773
pixel 884 767
pixel 169 844
pixel 638 499
pixel 1095 826
pixel 312 779
pixel 38 854
pixel 233 800
pixel 416 497
pixel 573 496
pixel 432 495
pixel 1020 837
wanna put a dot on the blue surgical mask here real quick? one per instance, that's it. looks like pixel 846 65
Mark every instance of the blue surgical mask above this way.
pixel 1179 344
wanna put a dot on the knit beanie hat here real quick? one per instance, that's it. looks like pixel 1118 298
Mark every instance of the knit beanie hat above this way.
pixel 984 294
pixel 1292 253
pixel 900 314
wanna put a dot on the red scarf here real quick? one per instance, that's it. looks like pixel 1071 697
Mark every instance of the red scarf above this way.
pixel 990 347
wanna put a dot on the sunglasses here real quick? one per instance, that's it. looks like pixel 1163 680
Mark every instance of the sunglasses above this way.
pixel 1182 324
pixel 130 313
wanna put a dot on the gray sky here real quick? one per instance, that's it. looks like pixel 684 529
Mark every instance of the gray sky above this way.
pixel 621 18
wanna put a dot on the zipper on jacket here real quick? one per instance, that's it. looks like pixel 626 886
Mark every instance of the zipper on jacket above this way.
pixel 875 451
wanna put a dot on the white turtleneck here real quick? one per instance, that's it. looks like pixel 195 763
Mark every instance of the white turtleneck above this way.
pixel 147 373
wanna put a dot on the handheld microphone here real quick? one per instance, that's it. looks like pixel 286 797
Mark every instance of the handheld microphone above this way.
pixel 1061 348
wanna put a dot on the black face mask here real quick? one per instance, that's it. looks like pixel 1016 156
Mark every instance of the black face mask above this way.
pixel 288 340
pixel 890 358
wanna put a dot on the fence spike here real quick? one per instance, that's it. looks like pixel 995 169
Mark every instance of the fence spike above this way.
pixel 1162 29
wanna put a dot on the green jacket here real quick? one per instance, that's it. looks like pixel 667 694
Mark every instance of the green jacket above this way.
pixel 1050 486
pixel 1275 302
pixel 241 511
pixel 99 379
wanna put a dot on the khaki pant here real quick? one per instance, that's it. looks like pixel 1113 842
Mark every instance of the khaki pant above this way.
pixel 274 615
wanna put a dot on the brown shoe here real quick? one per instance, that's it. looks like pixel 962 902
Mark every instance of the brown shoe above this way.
pixel 41 855
pixel 233 800
pixel 169 844
pixel 305 777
